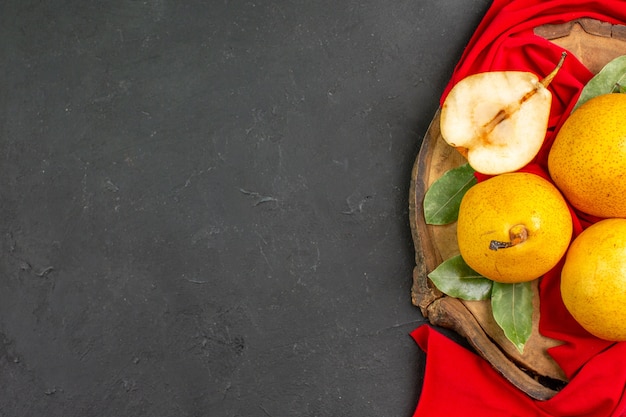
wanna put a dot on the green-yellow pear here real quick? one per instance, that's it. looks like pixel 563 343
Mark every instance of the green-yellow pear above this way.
pixel 498 119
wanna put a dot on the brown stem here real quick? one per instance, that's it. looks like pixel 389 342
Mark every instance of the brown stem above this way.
pixel 546 81
pixel 518 234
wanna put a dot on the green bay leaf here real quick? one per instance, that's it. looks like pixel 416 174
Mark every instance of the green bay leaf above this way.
pixel 456 279
pixel 443 197
pixel 610 79
pixel 512 306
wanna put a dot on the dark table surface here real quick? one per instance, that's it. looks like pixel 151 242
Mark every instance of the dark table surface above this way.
pixel 205 203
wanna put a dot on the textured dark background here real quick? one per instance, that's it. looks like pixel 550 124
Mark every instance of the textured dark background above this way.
pixel 204 204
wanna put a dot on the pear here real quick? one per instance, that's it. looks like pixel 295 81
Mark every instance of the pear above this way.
pixel 498 119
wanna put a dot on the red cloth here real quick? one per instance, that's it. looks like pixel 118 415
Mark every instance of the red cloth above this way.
pixel 457 382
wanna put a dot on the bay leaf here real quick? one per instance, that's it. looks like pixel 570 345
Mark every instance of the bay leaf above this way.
pixel 456 279
pixel 443 197
pixel 512 306
pixel 610 79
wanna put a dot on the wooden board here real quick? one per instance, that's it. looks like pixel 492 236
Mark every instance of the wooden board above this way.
pixel 594 43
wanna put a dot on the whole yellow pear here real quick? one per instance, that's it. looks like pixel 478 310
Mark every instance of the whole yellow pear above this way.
pixel 593 279
pixel 513 227
pixel 587 160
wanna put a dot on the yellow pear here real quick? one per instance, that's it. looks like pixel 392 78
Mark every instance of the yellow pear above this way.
pixel 498 119
pixel 587 160
pixel 513 227
pixel 593 279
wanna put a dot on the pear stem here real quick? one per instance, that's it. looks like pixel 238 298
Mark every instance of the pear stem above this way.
pixel 546 81
pixel 518 234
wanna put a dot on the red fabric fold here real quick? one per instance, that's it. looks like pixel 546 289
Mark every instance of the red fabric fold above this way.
pixel 457 382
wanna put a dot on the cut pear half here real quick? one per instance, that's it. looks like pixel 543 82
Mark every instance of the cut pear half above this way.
pixel 498 120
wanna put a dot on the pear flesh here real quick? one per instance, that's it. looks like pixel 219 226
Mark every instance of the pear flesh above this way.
pixel 498 119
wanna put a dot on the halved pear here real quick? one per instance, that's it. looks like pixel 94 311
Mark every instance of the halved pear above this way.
pixel 498 120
